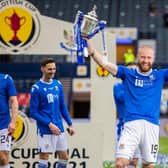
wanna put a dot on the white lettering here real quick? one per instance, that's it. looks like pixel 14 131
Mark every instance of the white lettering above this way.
pixel 50 98
pixel 139 82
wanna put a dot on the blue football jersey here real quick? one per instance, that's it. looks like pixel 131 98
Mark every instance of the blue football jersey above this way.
pixel 118 94
pixel 47 105
pixel 142 93
pixel 7 89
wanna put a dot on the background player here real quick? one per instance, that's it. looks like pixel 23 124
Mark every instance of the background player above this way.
pixel 47 107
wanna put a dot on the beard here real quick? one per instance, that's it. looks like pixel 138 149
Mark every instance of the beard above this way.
pixel 50 76
pixel 145 67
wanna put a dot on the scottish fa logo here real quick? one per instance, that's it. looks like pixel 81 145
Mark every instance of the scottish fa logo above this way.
pixel 21 132
pixel 20 25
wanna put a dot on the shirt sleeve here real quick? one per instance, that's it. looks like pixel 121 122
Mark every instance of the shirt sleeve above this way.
pixel 63 108
pixel 34 107
pixel 121 73
pixel 165 71
pixel 11 90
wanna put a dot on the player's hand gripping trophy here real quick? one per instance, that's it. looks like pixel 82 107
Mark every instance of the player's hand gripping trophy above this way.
pixel 87 26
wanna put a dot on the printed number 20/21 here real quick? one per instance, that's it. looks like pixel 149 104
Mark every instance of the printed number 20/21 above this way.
pixel 35 164
pixel 81 164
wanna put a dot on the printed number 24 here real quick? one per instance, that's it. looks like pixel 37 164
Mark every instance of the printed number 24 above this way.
pixel 4 138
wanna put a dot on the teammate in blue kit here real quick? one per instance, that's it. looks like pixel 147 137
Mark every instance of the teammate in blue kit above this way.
pixel 47 107
pixel 8 100
pixel 118 94
pixel 143 87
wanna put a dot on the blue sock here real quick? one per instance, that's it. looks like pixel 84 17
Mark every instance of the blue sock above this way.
pixel 62 164
pixel 43 164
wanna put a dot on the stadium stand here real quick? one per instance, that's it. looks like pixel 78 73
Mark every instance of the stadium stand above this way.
pixel 117 13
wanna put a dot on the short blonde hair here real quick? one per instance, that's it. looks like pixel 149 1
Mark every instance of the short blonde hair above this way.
pixel 146 47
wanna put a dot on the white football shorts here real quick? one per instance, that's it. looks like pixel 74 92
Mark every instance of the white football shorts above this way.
pixel 5 140
pixel 52 143
pixel 137 151
pixel 139 134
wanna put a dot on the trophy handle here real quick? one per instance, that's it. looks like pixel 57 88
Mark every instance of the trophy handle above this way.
pixel 101 25
pixel 22 20
pixel 7 20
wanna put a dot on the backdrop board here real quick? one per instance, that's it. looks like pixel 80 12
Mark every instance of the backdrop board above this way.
pixel 85 147
pixel 102 104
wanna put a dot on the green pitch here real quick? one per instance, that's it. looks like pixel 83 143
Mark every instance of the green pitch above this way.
pixel 163 149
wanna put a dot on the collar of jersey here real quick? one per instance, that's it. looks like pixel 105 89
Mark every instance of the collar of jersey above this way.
pixel 146 74
pixel 48 83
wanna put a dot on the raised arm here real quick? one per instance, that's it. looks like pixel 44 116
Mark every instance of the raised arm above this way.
pixel 99 59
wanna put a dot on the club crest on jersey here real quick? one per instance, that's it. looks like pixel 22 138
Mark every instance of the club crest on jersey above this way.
pixel 152 77
pixel 56 87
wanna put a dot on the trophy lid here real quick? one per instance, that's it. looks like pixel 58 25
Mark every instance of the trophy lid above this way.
pixel 93 12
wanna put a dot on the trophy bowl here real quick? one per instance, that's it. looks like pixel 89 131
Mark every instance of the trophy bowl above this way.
pixel 89 23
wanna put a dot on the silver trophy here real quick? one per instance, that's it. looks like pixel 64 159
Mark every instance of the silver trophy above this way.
pixel 89 22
